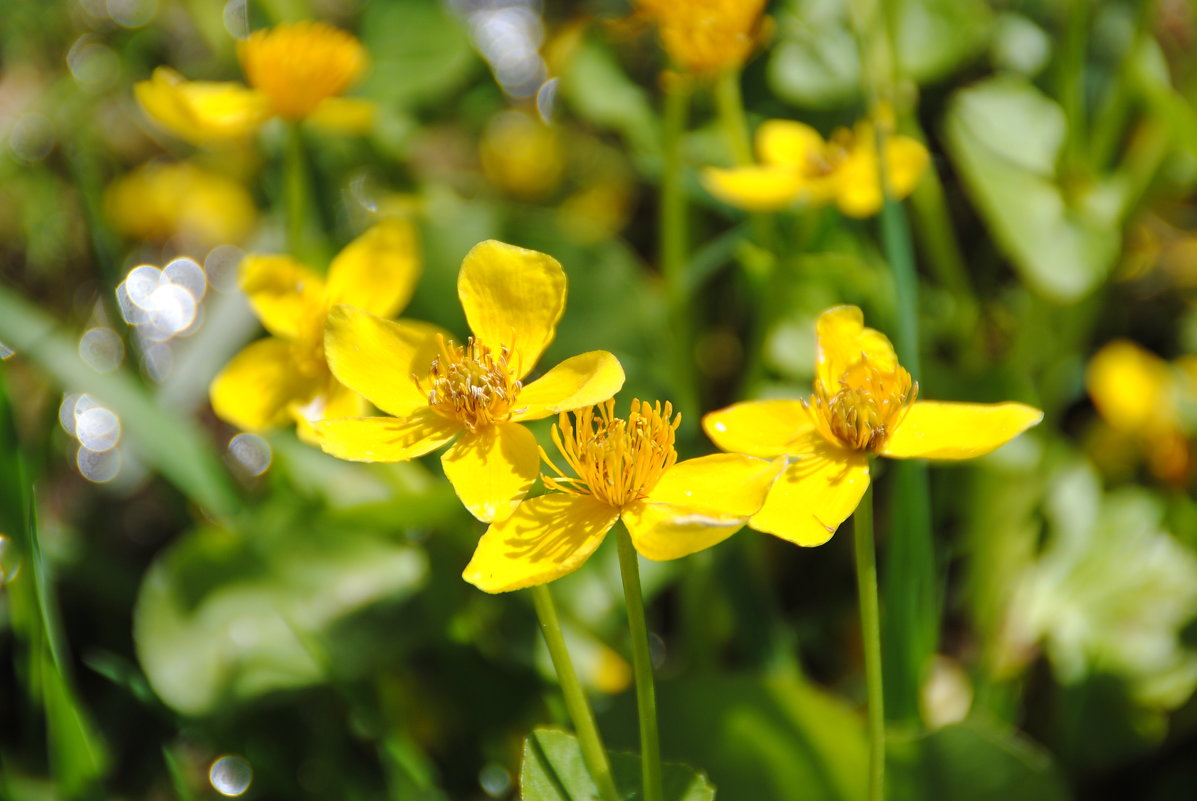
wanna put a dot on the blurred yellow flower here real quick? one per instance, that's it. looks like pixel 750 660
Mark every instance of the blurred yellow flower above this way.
pixel 798 166
pixel 438 390
pixel 864 402
pixel 197 208
pixel 285 376
pixel 521 155
pixel 626 469
pixel 296 71
pixel 706 37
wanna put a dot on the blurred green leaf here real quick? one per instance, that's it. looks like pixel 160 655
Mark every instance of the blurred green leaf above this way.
pixel 223 616
pixel 419 52
pixel 970 762
pixel 77 754
pixel 1005 137
pixel 553 770
pixel 598 90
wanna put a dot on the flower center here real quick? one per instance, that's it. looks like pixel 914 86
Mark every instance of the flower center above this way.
pixel 824 161
pixel 617 461
pixel 472 384
pixel 296 66
pixel 866 407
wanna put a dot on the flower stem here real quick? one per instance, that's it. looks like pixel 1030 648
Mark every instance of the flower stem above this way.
pixel 593 753
pixel 870 634
pixel 731 115
pixel 646 700
pixel 301 239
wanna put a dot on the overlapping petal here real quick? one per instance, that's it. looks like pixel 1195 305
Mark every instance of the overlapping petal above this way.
pixel 512 297
pixel 787 143
pixel 200 111
pixel 859 191
pixel 582 380
pixel 385 439
pixel 843 341
pixel 936 430
pixel 766 428
pixel 255 389
pixel 378 358
pixel 699 503
pixel 544 539
pixel 754 188
pixel 284 294
pixel 334 401
pixel 492 469
pixel 377 271
pixel 819 490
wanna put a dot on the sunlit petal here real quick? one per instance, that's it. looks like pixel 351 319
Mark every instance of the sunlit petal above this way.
pixel 377 271
pixel 815 494
pixel 378 358
pixel 200 111
pixel 546 538
pixel 754 188
pixel 254 390
pixel 698 503
pixel 512 297
pixel 385 439
pixel 492 469
pixel 336 400
pixel 787 143
pixel 935 430
pixel 284 294
pixel 843 341
pixel 582 380
pixel 765 428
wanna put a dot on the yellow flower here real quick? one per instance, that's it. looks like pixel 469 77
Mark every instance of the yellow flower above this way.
pixel 285 376
pixel 438 390
pixel 521 155
pixel 181 201
pixel 626 469
pixel 296 71
pixel 798 166
pixel 864 402
pixel 706 37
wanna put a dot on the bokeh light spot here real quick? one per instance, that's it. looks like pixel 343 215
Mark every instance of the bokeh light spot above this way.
pixel 230 775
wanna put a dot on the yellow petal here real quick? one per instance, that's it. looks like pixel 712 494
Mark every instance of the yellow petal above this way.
pixel 699 503
pixel 582 380
pixel 765 428
pixel 843 342
pixel 546 538
pixel 385 439
pixel 346 115
pixel 859 178
pixel 492 469
pixel 337 400
pixel 787 143
pixel 754 188
pixel 287 297
pixel 378 270
pixel 377 358
pixel 935 430
pixel 512 297
pixel 816 493
pixel 200 111
pixel 1130 387
pixel 254 390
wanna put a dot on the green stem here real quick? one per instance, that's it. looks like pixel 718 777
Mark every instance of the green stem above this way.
pixel 1070 80
pixel 297 197
pixel 593 753
pixel 646 701
pixel 731 115
pixel 870 635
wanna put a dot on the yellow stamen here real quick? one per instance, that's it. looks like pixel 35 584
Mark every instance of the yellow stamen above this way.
pixel 617 461
pixel 866 407
pixel 471 384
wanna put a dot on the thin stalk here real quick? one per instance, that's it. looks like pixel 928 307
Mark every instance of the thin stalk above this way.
pixel 1070 86
pixel 646 700
pixel 1111 119
pixel 730 104
pixel 297 197
pixel 593 753
pixel 870 635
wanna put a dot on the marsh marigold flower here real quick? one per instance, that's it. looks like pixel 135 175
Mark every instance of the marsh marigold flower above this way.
pixel 438 390
pixel 864 403
pixel 705 37
pixel 285 376
pixel 296 71
pixel 798 166
pixel 625 469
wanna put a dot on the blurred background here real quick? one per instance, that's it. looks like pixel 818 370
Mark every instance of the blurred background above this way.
pixel 190 611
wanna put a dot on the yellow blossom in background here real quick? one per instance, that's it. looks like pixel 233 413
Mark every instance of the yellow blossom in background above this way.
pixel 439 390
pixel 1140 395
pixel 285 376
pixel 797 166
pixel 296 71
pixel 706 37
pixel 521 155
pixel 626 469
pixel 864 403
pixel 197 208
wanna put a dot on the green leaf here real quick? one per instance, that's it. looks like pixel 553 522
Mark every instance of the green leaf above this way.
pixel 419 52
pixel 972 762
pixel 1005 138
pixel 168 440
pixel 553 770
pixel 598 90
pixel 223 617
